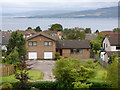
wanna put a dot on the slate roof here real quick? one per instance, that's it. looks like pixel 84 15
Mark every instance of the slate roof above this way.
pixel 114 39
pixel 109 53
pixel 5 37
pixel 91 36
pixel 40 33
pixel 73 44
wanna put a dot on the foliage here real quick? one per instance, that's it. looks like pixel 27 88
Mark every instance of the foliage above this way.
pixel 74 33
pixel 69 70
pixel 112 73
pixel 97 43
pixel 23 75
pixel 38 29
pixel 81 85
pixel 7 86
pixel 57 55
pixel 111 58
pixel 97 31
pixel 56 27
pixel 12 58
pixel 87 30
pixel 28 28
pixel 16 40
pixel 116 30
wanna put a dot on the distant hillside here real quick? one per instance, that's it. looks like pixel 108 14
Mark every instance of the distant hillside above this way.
pixel 98 13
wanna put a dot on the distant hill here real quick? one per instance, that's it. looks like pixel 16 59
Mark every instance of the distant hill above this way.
pixel 98 13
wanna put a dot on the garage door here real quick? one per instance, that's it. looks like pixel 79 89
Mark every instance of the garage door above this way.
pixel 32 55
pixel 47 55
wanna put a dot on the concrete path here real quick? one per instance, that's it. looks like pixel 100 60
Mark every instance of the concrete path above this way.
pixel 44 66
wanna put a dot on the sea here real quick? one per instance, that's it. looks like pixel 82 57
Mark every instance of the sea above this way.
pixel 101 24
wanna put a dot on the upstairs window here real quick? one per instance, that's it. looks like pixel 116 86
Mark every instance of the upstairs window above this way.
pixel 50 43
pixel 34 43
pixel 45 43
pixel 30 43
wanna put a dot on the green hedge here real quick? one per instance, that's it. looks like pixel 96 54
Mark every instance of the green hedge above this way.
pixel 53 85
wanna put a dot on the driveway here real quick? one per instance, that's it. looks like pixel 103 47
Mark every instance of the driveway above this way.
pixel 44 66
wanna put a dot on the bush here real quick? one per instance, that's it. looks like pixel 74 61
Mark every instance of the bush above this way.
pixel 7 86
pixel 100 85
pixel 57 55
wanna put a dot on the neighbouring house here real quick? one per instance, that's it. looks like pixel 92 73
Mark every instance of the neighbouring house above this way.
pixel 5 38
pixel 73 48
pixel 43 46
pixel 27 33
pixel 55 34
pixel 108 32
pixel 111 45
pixel 91 36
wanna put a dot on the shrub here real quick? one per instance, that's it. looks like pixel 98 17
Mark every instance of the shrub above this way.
pixel 57 55
pixel 7 86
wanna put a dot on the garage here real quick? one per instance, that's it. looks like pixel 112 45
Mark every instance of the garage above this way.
pixel 48 55
pixel 32 55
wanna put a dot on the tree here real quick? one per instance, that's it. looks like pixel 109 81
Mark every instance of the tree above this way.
pixel 12 58
pixel 113 76
pixel 38 29
pixel 97 31
pixel 28 28
pixel 16 40
pixel 56 27
pixel 111 58
pixel 74 33
pixel 116 30
pixel 22 76
pixel 87 30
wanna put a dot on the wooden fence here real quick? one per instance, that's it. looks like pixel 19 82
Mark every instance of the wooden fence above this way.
pixel 103 63
pixel 6 70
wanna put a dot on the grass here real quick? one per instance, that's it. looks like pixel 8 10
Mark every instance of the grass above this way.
pixel 35 75
pixel 100 71
pixel 100 75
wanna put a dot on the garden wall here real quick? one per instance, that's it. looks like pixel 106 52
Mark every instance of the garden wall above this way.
pixel 7 70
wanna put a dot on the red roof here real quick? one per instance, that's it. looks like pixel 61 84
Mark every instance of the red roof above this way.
pixel 108 32
pixel 27 32
pixel 47 31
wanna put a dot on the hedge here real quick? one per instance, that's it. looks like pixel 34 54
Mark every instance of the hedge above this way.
pixel 53 85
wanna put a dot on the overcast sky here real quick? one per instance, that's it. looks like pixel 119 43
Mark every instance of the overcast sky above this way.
pixel 73 5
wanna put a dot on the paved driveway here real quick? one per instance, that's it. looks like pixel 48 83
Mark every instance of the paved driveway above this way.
pixel 44 66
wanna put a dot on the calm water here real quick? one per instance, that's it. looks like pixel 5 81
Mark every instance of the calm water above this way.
pixel 9 23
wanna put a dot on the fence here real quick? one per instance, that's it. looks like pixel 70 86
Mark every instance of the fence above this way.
pixel 6 70
pixel 103 63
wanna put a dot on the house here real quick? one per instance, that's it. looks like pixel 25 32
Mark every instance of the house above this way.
pixel 55 34
pixel 43 46
pixel 73 48
pixel 27 33
pixel 91 36
pixel 108 32
pixel 111 45
pixel 5 35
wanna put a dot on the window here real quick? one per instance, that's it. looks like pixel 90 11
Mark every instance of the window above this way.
pixel 45 43
pixel 75 51
pixel 34 43
pixel 117 47
pixel 30 43
pixel 80 51
pixel 50 43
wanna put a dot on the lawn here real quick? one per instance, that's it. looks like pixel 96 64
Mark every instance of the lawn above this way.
pixel 101 74
pixel 100 71
pixel 35 75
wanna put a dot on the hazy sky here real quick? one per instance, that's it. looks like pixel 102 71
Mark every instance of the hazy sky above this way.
pixel 71 5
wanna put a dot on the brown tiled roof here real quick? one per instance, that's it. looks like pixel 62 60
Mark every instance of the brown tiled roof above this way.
pixel 23 32
pixel 114 39
pixel 72 44
pixel 109 53
pixel 48 31
pixel 31 31
pixel 40 33
pixel 108 32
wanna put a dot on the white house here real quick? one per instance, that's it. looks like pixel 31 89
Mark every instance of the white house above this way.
pixel 111 45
